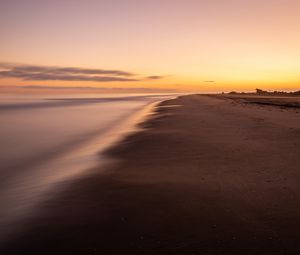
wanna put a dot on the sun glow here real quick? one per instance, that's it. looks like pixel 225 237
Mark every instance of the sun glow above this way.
pixel 236 44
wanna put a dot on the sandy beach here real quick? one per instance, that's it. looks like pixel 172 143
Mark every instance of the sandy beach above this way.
pixel 206 175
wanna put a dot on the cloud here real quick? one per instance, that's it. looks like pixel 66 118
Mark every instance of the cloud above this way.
pixel 55 87
pixel 209 81
pixel 38 88
pixel 155 77
pixel 52 73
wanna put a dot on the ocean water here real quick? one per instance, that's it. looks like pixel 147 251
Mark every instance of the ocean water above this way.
pixel 47 141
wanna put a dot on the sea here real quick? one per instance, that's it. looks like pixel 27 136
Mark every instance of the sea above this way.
pixel 47 141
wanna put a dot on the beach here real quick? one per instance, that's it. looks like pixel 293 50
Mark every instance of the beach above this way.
pixel 205 174
pixel 48 141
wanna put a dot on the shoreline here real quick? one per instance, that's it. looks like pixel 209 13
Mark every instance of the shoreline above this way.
pixel 75 162
pixel 204 176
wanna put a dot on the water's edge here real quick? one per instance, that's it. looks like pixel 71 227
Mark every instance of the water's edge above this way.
pixel 60 171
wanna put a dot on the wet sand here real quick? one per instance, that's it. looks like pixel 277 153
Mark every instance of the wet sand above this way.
pixel 208 175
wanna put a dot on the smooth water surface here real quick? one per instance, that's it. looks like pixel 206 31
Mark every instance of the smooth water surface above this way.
pixel 45 142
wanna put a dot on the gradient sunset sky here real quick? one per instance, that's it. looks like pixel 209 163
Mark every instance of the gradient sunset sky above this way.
pixel 203 45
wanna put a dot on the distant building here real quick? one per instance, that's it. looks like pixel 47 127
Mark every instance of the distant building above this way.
pixel 260 91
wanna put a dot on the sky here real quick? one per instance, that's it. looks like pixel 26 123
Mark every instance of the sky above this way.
pixel 185 45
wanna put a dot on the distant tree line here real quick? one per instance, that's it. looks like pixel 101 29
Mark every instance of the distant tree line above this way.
pixel 268 93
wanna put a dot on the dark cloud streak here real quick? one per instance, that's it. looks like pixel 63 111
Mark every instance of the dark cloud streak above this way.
pixel 47 73
pixel 155 77
pixel 43 87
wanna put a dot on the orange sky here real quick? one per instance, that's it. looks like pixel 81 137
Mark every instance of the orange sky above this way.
pixel 238 44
